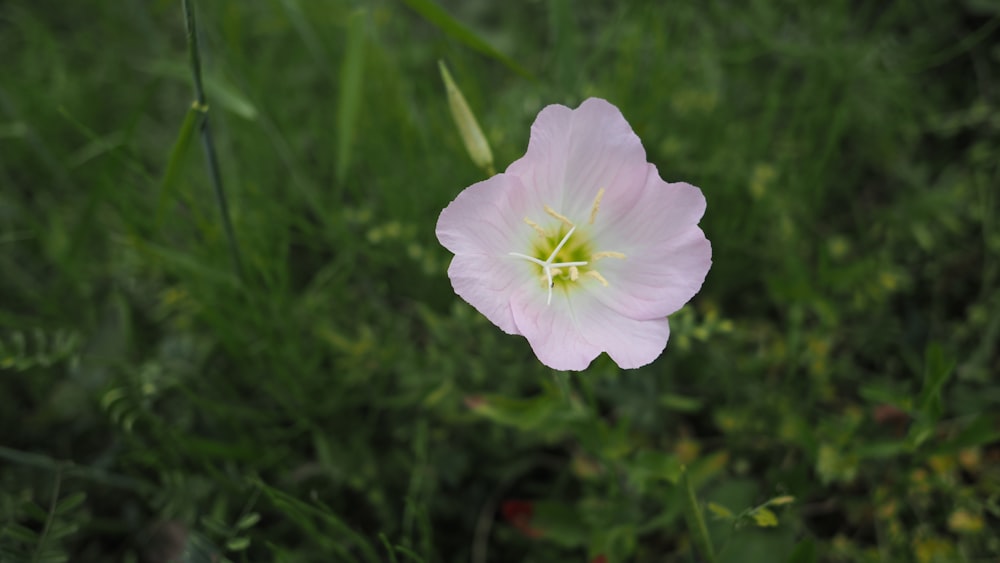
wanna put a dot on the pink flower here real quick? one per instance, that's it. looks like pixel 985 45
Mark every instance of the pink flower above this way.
pixel 579 246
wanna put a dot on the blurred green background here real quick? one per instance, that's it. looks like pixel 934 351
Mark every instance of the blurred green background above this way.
pixel 832 391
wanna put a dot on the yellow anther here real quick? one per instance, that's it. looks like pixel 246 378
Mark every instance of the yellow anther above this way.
pixel 556 272
pixel 574 273
pixel 559 216
pixel 606 254
pixel 594 274
pixel 536 226
pixel 597 205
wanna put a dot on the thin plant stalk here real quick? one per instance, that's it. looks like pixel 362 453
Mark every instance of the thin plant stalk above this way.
pixel 43 537
pixel 696 520
pixel 207 142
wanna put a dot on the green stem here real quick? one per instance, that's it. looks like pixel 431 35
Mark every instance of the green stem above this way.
pixel 48 520
pixel 562 382
pixel 696 520
pixel 69 469
pixel 207 141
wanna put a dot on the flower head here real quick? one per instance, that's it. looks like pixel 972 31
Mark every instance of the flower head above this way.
pixel 579 246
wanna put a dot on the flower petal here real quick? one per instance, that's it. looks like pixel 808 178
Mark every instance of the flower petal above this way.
pixel 576 328
pixel 482 226
pixel 660 284
pixel 660 211
pixel 486 218
pixel 573 154
pixel 552 330
pixel 631 343
pixel 487 283
pixel 667 254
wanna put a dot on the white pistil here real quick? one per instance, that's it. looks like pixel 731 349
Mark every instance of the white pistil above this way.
pixel 549 265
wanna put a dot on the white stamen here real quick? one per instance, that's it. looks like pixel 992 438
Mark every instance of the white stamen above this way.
pixel 597 276
pixel 565 220
pixel 536 226
pixel 606 254
pixel 597 205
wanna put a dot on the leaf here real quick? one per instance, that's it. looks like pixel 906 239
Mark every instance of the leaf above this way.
pixel 965 522
pixel 758 545
pixel 248 521
pixel 882 449
pixel 720 511
pixel 650 466
pixel 212 524
pixel 21 533
pixel 51 557
pixel 217 89
pixel 805 552
pixel 35 511
pixel 833 465
pixel 705 468
pixel 438 394
pixel 560 523
pixel 351 80
pixel 61 530
pixel 764 517
pixel 881 393
pixel 439 17
pixel 410 554
pixel 696 520
pixel 208 448
pixel 321 524
pixel 113 396
pixel 780 501
pixel 69 503
pixel 937 369
pixel 983 429
pixel 238 544
pixel 543 411
pixel 681 403
pixel 306 32
pixel 175 163
pixel 388 547
pixel 182 261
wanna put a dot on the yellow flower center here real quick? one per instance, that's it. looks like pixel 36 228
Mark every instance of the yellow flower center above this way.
pixel 564 261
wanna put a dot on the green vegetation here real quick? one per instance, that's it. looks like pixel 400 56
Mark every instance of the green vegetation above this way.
pixel 830 395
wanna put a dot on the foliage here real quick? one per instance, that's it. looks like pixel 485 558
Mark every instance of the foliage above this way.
pixel 830 395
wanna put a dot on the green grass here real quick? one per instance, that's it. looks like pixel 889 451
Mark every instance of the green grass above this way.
pixel 336 401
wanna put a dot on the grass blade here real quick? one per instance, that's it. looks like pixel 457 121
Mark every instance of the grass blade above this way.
pixel 696 520
pixel 439 17
pixel 174 164
pixel 351 74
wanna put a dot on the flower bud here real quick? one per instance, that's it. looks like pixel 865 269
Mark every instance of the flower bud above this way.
pixel 468 127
